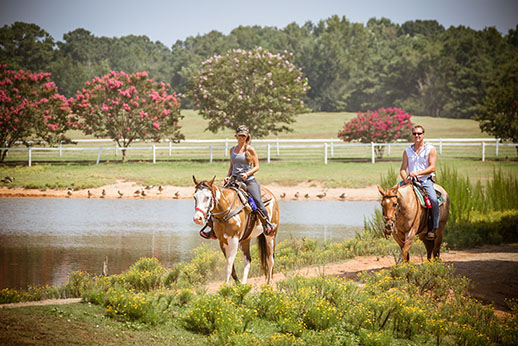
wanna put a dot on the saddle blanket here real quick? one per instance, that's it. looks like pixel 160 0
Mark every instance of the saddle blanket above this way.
pixel 440 198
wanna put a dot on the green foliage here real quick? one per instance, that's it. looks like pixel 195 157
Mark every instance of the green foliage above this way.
pixel 256 88
pixel 499 110
pixel 145 275
pixel 483 228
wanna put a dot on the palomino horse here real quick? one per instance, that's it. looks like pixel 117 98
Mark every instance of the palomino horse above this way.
pixel 230 225
pixel 405 218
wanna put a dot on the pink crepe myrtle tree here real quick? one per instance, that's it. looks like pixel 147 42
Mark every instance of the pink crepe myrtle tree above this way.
pixel 126 107
pixel 31 109
pixel 256 88
pixel 384 125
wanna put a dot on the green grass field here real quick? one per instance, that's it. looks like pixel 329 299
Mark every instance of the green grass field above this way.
pixel 349 167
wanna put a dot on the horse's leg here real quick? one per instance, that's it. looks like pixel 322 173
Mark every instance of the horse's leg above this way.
pixel 230 251
pixel 245 248
pixel 428 244
pixel 409 240
pixel 270 249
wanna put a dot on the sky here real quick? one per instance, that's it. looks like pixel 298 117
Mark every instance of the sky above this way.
pixel 170 20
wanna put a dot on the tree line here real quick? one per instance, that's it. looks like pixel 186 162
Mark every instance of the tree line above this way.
pixel 419 66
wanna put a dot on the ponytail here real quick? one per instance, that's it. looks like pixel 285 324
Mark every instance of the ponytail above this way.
pixel 248 156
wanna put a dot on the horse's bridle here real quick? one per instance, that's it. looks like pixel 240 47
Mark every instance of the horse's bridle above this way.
pixel 394 222
pixel 222 216
pixel 206 214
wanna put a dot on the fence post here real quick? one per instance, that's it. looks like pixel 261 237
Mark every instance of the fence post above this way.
pixel 116 149
pixel 332 149
pixel 60 149
pixel 154 153
pixel 226 147
pixel 278 149
pixel 268 146
pixel 440 146
pixel 496 147
pixel 210 153
pixel 372 153
pixel 388 151
pixel 170 147
pixel 99 155
pixel 483 151
pixel 30 156
pixel 325 153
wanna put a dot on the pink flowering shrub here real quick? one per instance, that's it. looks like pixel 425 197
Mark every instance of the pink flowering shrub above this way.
pixel 126 107
pixel 257 88
pixel 30 109
pixel 384 125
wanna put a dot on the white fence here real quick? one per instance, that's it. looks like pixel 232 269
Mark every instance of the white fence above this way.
pixel 270 149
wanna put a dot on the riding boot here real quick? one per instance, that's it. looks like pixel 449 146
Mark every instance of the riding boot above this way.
pixel 209 233
pixel 431 234
pixel 268 227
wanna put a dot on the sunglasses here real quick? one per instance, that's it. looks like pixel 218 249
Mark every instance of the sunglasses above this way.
pixel 417 133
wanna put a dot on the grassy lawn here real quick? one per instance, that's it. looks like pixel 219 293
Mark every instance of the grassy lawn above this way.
pixel 84 324
pixel 349 167
pixel 334 174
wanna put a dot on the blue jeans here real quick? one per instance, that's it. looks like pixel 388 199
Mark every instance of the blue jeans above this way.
pixel 430 191
pixel 255 190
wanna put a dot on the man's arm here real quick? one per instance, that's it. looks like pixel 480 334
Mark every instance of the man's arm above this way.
pixel 404 166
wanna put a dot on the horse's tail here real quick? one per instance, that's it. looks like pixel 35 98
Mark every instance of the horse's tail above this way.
pixel 263 253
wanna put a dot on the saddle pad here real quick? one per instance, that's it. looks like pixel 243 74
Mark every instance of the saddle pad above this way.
pixel 440 198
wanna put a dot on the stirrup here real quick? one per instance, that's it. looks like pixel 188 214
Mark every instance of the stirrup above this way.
pixel 208 235
pixel 268 228
pixel 431 235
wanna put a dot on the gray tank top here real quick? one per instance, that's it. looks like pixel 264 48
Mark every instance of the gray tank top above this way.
pixel 239 164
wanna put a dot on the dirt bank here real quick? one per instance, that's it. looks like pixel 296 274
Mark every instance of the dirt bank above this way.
pixel 126 189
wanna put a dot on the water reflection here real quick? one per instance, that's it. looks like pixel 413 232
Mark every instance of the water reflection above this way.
pixel 44 239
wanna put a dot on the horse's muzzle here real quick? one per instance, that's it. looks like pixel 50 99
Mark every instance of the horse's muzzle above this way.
pixel 389 227
pixel 198 218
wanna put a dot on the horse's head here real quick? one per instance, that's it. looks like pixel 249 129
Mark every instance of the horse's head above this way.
pixel 203 200
pixel 390 208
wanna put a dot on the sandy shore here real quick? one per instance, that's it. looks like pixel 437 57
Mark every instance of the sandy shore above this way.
pixel 124 189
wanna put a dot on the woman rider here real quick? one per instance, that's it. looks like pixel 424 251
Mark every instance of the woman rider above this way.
pixel 243 164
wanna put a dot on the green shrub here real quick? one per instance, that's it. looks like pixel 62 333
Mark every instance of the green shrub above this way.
pixel 488 228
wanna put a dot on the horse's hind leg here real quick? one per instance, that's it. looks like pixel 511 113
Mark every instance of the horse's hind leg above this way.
pixel 428 244
pixel 245 248
pixel 270 248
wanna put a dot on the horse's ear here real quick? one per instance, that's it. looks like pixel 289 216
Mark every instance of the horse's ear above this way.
pixel 195 181
pixel 212 181
pixel 382 192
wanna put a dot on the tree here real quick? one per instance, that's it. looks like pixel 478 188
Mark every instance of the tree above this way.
pixel 256 88
pixel 126 107
pixel 31 109
pixel 26 46
pixel 499 110
pixel 384 125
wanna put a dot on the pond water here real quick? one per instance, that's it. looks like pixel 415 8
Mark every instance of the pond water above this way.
pixel 44 239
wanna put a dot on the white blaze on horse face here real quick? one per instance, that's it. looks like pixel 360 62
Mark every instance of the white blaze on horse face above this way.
pixel 202 199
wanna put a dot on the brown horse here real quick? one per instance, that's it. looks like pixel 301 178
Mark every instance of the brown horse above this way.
pixel 230 226
pixel 405 218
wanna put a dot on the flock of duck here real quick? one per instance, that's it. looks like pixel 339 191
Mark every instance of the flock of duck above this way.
pixel 322 195
pixel 141 192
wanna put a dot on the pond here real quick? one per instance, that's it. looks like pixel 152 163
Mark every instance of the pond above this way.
pixel 44 239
